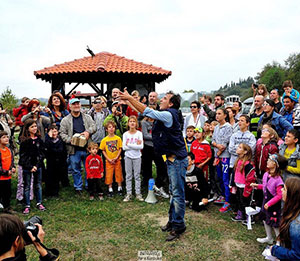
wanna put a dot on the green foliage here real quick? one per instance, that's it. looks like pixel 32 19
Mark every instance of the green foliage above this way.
pixel 293 69
pixel 188 91
pixel 272 76
pixel 8 99
pixel 240 88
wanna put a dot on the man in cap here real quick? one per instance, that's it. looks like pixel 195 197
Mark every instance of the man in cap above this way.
pixel 76 122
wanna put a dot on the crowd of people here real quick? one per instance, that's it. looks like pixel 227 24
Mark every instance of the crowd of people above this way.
pixel 216 153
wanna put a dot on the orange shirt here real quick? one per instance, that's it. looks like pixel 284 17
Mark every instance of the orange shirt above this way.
pixel 6 162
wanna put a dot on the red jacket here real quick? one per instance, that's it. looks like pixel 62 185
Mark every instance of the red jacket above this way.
pixel 261 156
pixel 202 151
pixel 19 113
pixel 94 167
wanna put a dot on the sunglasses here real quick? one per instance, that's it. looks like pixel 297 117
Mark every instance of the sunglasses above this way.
pixel 193 107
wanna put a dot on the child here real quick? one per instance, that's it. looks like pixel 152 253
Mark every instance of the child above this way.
pixel 131 112
pixel 290 91
pixel 272 185
pixel 6 169
pixel 220 141
pixel 132 145
pixel 111 147
pixel 189 137
pixel 21 111
pixel 201 149
pixel 243 177
pixel 290 150
pixel 289 235
pixel 207 131
pixel 56 155
pixel 196 187
pixel 94 171
pixel 31 160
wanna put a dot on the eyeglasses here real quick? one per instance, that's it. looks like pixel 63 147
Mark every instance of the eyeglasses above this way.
pixel 265 130
pixel 193 107
pixel 266 104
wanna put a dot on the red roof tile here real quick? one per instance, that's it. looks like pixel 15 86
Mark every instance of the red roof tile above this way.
pixel 103 62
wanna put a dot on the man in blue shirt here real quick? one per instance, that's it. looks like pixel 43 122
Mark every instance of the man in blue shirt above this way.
pixel 168 140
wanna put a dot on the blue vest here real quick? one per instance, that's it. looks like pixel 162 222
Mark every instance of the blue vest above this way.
pixel 169 140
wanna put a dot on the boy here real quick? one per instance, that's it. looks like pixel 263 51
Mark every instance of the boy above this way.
pixel 196 187
pixel 202 151
pixel 94 171
pixel 6 169
pixel 111 147
pixel 56 155
pixel 189 137
pixel 290 150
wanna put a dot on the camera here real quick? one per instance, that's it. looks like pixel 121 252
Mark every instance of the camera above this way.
pixel 255 85
pixel 30 226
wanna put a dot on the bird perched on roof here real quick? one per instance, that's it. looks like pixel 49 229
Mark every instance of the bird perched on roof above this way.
pixel 90 51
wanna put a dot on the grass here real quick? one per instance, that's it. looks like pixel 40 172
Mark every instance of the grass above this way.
pixel 114 230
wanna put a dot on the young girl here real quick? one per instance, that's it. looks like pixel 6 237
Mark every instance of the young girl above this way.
pixel 289 235
pixel 31 159
pixel 220 141
pixel 272 185
pixel 132 145
pixel 6 169
pixel 94 171
pixel 244 175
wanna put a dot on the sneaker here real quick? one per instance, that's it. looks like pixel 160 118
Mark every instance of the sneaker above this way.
pixel 26 211
pixel 40 207
pixel 120 192
pixel 110 194
pixel 220 200
pixel 265 240
pixel 127 198
pixel 101 196
pixel 246 224
pixel 91 197
pixel 174 234
pixel 167 227
pixel 225 208
pixel 160 192
pixel 238 217
pixel 139 197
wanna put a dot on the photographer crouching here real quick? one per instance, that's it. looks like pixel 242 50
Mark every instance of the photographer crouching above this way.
pixel 15 235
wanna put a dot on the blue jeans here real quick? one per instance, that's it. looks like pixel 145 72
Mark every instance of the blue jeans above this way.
pixel 223 176
pixel 177 172
pixel 37 185
pixel 75 161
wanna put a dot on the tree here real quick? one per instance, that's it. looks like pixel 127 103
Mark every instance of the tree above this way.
pixel 8 100
pixel 293 69
pixel 272 76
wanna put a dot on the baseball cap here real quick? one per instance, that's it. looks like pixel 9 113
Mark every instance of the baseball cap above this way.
pixel 74 100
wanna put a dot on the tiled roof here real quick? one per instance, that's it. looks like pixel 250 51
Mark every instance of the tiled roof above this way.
pixel 103 62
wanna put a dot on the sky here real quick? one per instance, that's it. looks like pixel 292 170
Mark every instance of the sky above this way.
pixel 205 44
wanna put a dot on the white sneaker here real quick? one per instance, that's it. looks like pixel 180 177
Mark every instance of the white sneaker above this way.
pixel 1 206
pixel 139 197
pixel 265 240
pixel 127 198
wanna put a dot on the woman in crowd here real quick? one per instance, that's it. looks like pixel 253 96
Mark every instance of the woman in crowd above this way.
pixel 56 108
pixel 194 118
pixel 42 121
pixel 231 119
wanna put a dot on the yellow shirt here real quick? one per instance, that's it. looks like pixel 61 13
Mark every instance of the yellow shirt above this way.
pixel 287 155
pixel 111 145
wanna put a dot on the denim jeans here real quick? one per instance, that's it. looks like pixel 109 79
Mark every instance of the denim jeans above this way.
pixel 75 161
pixel 177 172
pixel 37 185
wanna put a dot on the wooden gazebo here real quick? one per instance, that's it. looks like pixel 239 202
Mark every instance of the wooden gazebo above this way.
pixel 103 72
